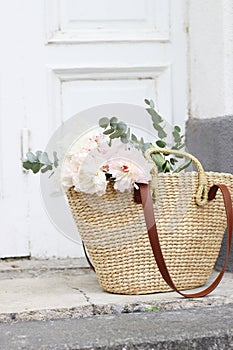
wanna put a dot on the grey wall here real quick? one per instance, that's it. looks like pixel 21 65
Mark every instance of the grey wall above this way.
pixel 211 141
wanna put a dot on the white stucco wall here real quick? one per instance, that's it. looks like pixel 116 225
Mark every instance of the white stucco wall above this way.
pixel 210 58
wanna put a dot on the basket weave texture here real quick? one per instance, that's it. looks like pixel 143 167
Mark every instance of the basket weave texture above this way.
pixel 114 232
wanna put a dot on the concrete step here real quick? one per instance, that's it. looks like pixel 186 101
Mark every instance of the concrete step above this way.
pixel 45 289
pixel 203 328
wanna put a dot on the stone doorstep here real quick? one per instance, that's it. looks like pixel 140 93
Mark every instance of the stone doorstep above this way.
pixel 198 328
pixel 62 289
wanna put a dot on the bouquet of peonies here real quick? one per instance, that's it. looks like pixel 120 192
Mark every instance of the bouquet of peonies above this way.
pixel 114 154
pixel 91 164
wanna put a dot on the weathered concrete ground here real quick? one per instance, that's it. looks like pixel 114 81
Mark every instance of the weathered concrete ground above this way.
pixel 206 328
pixel 59 304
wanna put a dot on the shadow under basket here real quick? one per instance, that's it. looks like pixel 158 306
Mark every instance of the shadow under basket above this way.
pixel 114 232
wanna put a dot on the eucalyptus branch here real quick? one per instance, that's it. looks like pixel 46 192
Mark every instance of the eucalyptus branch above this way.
pixel 119 129
pixel 113 128
pixel 40 162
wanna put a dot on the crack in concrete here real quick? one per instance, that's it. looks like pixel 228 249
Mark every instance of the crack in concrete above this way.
pixel 84 294
pixel 87 298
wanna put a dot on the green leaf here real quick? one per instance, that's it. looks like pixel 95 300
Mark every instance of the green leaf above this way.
pixel 27 165
pixel 38 153
pixel 116 134
pixel 149 103
pixel 31 157
pixel 35 167
pixel 134 138
pixel 173 161
pixel 51 174
pixel 113 122
pixel 108 131
pixel 161 143
pixel 152 104
pixel 176 136
pixel 44 159
pixel 104 122
pixel 128 134
pixel 178 147
pixel 161 133
pixel 121 126
pixel 156 118
pixel 158 159
pixel 47 168
pixel 177 128
pixel 56 160
pixel 146 146
pixel 166 167
pixel 124 138
pixel 183 166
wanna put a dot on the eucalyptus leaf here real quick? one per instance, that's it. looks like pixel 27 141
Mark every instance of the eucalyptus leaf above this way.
pixel 161 143
pixel 156 118
pixel 166 167
pixel 113 122
pixel 51 174
pixel 173 161
pixel 116 134
pixel 108 131
pixel 27 165
pixel 124 138
pixel 152 104
pixel 47 168
pixel 158 158
pixel 38 154
pixel 177 128
pixel 178 147
pixel 161 133
pixel 44 159
pixel 183 166
pixel 128 134
pixel 121 126
pixel 56 160
pixel 35 167
pixel 149 103
pixel 176 136
pixel 134 138
pixel 104 122
pixel 31 157
pixel 146 146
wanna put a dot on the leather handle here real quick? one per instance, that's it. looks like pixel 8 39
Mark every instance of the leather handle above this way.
pixel 154 239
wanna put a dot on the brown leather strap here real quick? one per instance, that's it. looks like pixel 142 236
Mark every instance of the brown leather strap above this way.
pixel 154 239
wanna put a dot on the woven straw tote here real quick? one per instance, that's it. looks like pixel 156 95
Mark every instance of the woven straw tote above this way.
pixel 190 229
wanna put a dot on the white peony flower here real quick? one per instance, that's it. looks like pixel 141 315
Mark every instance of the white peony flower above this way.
pixel 129 167
pixel 77 155
pixel 91 178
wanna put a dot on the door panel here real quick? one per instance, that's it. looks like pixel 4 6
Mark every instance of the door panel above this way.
pixel 107 20
pixel 59 57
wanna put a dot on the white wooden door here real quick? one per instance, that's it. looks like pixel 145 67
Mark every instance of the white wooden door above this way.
pixel 59 57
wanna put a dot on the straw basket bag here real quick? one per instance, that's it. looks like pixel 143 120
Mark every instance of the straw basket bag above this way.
pixel 183 244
